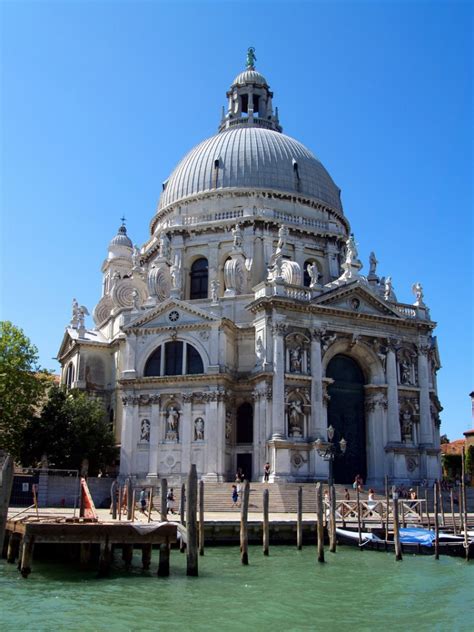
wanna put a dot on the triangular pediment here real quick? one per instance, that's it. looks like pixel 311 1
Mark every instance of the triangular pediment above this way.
pixel 356 299
pixel 171 312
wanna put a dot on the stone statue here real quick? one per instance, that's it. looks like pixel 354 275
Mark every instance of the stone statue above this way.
pixel 417 290
pixel 164 246
pixel 372 264
pixel 282 235
pixel 407 426
pixel 215 285
pixel 295 417
pixel 351 252
pixel 237 233
pixel 136 257
pixel 259 351
pixel 405 372
pixel 312 270
pixel 82 313
pixel 135 300
pixel 75 313
pixel 295 360
pixel 199 429
pixel 251 58
pixel 388 289
pixel 172 419
pixel 145 430
pixel 175 272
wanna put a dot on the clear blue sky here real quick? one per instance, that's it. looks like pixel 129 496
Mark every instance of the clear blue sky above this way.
pixel 101 100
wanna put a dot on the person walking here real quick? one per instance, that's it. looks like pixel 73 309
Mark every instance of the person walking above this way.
pixel 170 501
pixel 235 496
pixel 266 472
pixel 143 500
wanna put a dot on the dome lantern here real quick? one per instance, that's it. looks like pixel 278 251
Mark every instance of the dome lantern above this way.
pixel 250 100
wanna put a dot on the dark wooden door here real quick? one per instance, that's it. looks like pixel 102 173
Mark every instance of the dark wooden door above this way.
pixel 244 463
pixel 346 415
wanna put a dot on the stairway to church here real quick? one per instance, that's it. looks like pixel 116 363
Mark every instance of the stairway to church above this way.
pixel 283 497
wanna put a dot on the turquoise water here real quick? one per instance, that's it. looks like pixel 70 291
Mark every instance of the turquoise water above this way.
pixel 287 591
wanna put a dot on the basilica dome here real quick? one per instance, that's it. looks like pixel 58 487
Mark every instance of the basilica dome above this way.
pixel 251 152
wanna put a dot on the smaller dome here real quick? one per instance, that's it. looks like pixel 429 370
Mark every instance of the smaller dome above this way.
pixel 121 238
pixel 250 76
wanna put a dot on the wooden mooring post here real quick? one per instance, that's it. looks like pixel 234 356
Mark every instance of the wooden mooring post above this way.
pixel 163 501
pixel 464 502
pixel 299 520
pixel 26 555
pixel 387 508
pixel 244 515
pixel 396 527
pixel 6 483
pixel 359 530
pixel 441 505
pixel 130 498
pixel 150 503
pixel 13 547
pixel 120 502
pixel 332 519
pixel 105 558
pixel 201 517
pixel 427 507
pixel 266 523
pixel 146 556
pixel 114 497
pixel 436 518
pixel 127 555
pixel 191 524
pixel 164 560
pixel 453 515
pixel 182 509
pixel 320 524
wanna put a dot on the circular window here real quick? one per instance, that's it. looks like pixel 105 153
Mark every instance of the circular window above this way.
pixel 173 316
pixel 355 304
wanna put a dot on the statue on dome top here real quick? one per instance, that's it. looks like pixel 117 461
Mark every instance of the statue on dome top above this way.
pixel 373 263
pixel 417 290
pixel 251 58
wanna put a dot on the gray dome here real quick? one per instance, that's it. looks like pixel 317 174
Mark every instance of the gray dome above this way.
pixel 251 158
pixel 250 76
pixel 121 238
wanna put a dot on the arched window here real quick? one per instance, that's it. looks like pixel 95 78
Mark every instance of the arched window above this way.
pixel 69 375
pixel 245 423
pixel 199 279
pixel 174 358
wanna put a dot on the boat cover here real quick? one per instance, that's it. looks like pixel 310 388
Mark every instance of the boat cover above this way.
pixel 413 535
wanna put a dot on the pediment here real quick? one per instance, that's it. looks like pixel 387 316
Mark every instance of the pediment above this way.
pixel 172 312
pixel 356 299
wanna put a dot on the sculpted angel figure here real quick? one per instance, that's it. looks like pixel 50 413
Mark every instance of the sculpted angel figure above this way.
pixel 136 256
pixel 388 288
pixel 215 290
pixel 282 235
pixel 237 233
pixel 312 270
pixel 417 290
pixel 372 263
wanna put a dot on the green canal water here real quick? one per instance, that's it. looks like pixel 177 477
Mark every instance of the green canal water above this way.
pixel 287 591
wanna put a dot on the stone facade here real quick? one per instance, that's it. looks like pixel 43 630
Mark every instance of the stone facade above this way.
pixel 224 340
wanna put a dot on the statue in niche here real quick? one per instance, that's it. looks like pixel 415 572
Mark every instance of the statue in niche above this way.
pixel 295 360
pixel 199 429
pixel 260 350
pixel 407 426
pixel 295 418
pixel 215 285
pixel 228 425
pixel 237 233
pixel 175 271
pixel 312 270
pixel 405 372
pixel 372 264
pixel 145 430
pixel 417 290
pixel 172 419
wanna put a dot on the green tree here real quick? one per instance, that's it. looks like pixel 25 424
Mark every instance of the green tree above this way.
pixel 22 385
pixel 71 427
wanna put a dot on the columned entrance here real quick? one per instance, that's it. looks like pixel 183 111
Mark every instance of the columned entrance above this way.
pixel 346 415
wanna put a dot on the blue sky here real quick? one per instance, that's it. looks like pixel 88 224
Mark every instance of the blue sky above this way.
pixel 101 100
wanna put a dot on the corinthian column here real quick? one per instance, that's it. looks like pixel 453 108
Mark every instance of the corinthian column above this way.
pixel 154 438
pixel 393 423
pixel 426 427
pixel 278 385
pixel 316 427
pixel 129 421
pixel 129 359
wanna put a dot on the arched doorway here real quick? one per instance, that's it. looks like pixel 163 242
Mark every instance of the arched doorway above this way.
pixel 346 415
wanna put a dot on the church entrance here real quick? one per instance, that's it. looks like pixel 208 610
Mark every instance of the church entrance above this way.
pixel 346 415
pixel 244 463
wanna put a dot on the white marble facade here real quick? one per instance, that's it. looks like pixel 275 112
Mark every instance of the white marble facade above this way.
pixel 212 341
